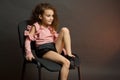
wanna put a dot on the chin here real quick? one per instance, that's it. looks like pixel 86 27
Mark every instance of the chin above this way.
pixel 49 24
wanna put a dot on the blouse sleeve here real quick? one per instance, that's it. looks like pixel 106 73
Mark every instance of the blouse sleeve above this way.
pixel 27 33
pixel 28 40
pixel 28 46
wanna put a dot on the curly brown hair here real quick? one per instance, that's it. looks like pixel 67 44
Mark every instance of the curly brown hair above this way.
pixel 39 10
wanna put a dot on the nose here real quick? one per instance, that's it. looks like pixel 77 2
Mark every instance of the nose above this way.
pixel 51 18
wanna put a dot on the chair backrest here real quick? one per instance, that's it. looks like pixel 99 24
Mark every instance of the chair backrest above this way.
pixel 21 27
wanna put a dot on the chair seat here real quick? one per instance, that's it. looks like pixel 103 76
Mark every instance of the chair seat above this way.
pixel 49 65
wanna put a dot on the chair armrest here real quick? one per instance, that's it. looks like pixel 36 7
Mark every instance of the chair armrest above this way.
pixel 34 61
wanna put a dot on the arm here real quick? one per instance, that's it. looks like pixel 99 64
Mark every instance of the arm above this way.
pixel 29 37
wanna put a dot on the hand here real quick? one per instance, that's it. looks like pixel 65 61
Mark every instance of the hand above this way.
pixel 29 57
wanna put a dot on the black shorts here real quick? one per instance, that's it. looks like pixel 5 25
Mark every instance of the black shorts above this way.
pixel 44 48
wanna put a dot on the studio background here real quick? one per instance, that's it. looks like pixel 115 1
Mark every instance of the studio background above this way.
pixel 95 33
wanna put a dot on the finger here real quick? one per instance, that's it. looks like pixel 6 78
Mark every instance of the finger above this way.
pixel 33 57
pixel 73 55
pixel 27 58
pixel 30 59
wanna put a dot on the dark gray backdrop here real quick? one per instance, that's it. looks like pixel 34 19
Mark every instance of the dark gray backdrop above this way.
pixel 95 33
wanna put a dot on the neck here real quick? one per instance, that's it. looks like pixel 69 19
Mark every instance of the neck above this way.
pixel 44 25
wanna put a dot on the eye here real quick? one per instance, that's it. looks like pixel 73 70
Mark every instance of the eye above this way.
pixel 48 15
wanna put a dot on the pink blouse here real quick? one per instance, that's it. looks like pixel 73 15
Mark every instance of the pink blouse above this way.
pixel 42 35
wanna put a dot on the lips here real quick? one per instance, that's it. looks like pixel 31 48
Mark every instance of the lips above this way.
pixel 49 21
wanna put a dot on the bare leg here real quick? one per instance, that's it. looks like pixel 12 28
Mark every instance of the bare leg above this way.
pixel 51 55
pixel 64 40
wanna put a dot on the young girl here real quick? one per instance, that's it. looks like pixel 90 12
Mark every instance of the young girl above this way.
pixel 49 44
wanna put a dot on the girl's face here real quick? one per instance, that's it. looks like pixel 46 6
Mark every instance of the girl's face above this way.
pixel 47 17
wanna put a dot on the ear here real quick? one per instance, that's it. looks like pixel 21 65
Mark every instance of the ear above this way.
pixel 40 16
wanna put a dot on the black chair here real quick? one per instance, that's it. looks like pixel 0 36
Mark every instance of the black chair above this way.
pixel 40 62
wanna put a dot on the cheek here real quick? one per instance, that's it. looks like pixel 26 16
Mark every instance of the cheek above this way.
pixel 44 19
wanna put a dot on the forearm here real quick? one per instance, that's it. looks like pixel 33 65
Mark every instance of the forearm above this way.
pixel 27 46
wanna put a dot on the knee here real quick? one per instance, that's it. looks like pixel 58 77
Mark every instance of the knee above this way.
pixel 65 29
pixel 66 63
